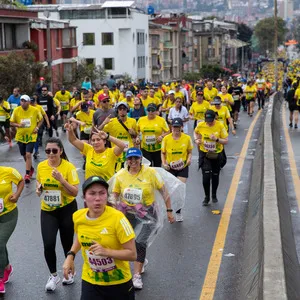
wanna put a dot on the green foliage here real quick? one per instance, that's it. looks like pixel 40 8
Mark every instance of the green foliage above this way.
pixel 19 70
pixel 244 33
pixel 264 32
pixel 211 71
pixel 191 76
pixel 126 77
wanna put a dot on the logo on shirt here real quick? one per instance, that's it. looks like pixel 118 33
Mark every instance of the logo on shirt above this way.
pixel 2 182
pixel 104 231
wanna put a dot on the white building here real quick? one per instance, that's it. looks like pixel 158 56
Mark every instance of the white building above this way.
pixel 113 35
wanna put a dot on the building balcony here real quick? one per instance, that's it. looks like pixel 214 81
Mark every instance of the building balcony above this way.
pixel 168 45
pixel 167 63
pixel 154 50
pixel 69 52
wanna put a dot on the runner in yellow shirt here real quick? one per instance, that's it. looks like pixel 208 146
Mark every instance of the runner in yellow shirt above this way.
pixel 4 119
pixel 168 103
pixel 64 97
pixel 176 155
pixel 27 119
pixel 210 136
pixel 250 92
pixel 226 98
pixel 151 99
pixel 153 129
pixel 106 240
pixel 198 108
pixel 210 92
pixel 129 99
pixel 8 217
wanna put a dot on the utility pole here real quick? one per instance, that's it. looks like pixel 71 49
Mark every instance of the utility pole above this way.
pixel 275 45
pixel 49 48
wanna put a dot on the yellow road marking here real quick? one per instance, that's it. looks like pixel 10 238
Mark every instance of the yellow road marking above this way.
pixel 211 277
pixel 291 156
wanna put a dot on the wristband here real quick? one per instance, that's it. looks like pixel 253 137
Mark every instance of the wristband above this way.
pixel 71 253
pixel 107 136
pixel 217 140
pixel 169 210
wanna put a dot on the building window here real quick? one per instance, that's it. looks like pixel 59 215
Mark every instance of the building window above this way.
pixel 69 37
pixel 89 39
pixel 10 36
pixel 209 41
pixel 117 12
pixel 90 61
pixel 69 70
pixel 107 38
pixel 195 53
pixel 82 14
pixel 108 63
pixel 141 62
pixel 140 38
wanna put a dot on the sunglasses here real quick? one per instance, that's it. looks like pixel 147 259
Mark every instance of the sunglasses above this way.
pixel 44 90
pixel 53 150
pixel 105 101
pixel 133 157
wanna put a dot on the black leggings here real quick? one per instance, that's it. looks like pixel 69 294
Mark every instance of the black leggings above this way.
pixel 261 99
pixel 52 221
pixel 210 173
pixel 123 291
pixel 53 125
pixel 153 157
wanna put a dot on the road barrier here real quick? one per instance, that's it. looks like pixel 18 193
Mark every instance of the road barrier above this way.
pixel 271 269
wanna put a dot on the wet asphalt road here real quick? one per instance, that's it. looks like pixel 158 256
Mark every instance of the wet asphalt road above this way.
pixel 179 256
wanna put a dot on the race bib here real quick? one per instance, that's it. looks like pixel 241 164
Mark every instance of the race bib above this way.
pixel 87 129
pixel 250 95
pixel 26 122
pixel 177 165
pixel 236 97
pixel 210 146
pixel 2 118
pixel 63 103
pixel 1 205
pixel 13 105
pixel 45 107
pixel 52 197
pixel 100 263
pixel 260 86
pixel 133 196
pixel 150 139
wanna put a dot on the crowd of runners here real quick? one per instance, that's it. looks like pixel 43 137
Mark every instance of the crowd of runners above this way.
pixel 120 129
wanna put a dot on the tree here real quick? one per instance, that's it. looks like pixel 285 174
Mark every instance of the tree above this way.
pixel 264 32
pixel 244 33
pixel 19 70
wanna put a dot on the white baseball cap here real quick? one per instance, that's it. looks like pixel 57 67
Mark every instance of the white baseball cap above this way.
pixel 25 98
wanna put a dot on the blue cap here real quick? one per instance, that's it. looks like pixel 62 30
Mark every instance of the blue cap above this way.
pixel 134 152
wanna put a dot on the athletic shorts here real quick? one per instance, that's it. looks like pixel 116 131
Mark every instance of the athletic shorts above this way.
pixel 5 124
pixel 181 173
pixel 236 106
pixel 64 112
pixel 26 148
pixel 84 136
pixel 293 106
pixel 250 100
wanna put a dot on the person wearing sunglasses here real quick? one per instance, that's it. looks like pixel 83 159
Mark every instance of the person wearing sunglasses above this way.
pixel 105 110
pixel 134 194
pixel 57 185
pixel 27 119
pixel 153 129
pixel 8 217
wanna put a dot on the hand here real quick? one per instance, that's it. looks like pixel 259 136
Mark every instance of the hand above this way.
pixel 171 218
pixel 159 139
pixel 83 124
pixel 48 125
pixel 13 198
pixel 198 141
pixel 131 131
pixel 213 137
pixel 22 125
pixel 166 166
pixel 36 129
pixel 57 175
pixel 98 249
pixel 188 162
pixel 137 141
pixel 107 120
pixel 102 134
pixel 68 266
pixel 233 132
pixel 52 118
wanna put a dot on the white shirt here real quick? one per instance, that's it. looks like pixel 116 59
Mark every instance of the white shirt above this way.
pixel 183 114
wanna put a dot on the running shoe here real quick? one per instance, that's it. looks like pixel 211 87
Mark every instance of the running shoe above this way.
pixel 214 199
pixel 7 274
pixel 35 155
pixel 137 281
pixel 51 283
pixel 291 125
pixel 179 217
pixel 144 265
pixel 27 178
pixel 68 281
pixel 296 126
pixel 2 287
pixel 205 201
pixel 31 172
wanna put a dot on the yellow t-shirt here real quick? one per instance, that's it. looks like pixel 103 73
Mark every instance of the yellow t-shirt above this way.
pixel 149 100
pixel 139 188
pixel 54 196
pixel 210 94
pixel 99 164
pixel 179 95
pixel 30 118
pixel 218 129
pixel 176 150
pixel 7 177
pixel 73 102
pixel 160 95
pixel 229 98
pixel 87 118
pixel 110 230
pixel 64 99
pixel 250 92
pixel 297 94
pixel 198 110
pixel 151 130
pixel 168 104
pixel 130 102
pixel 223 114
pixel 4 115
pixel 40 108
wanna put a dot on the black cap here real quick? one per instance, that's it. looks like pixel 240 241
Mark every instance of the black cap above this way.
pixel 217 101
pixel 151 106
pixel 210 115
pixel 177 122
pixel 94 179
